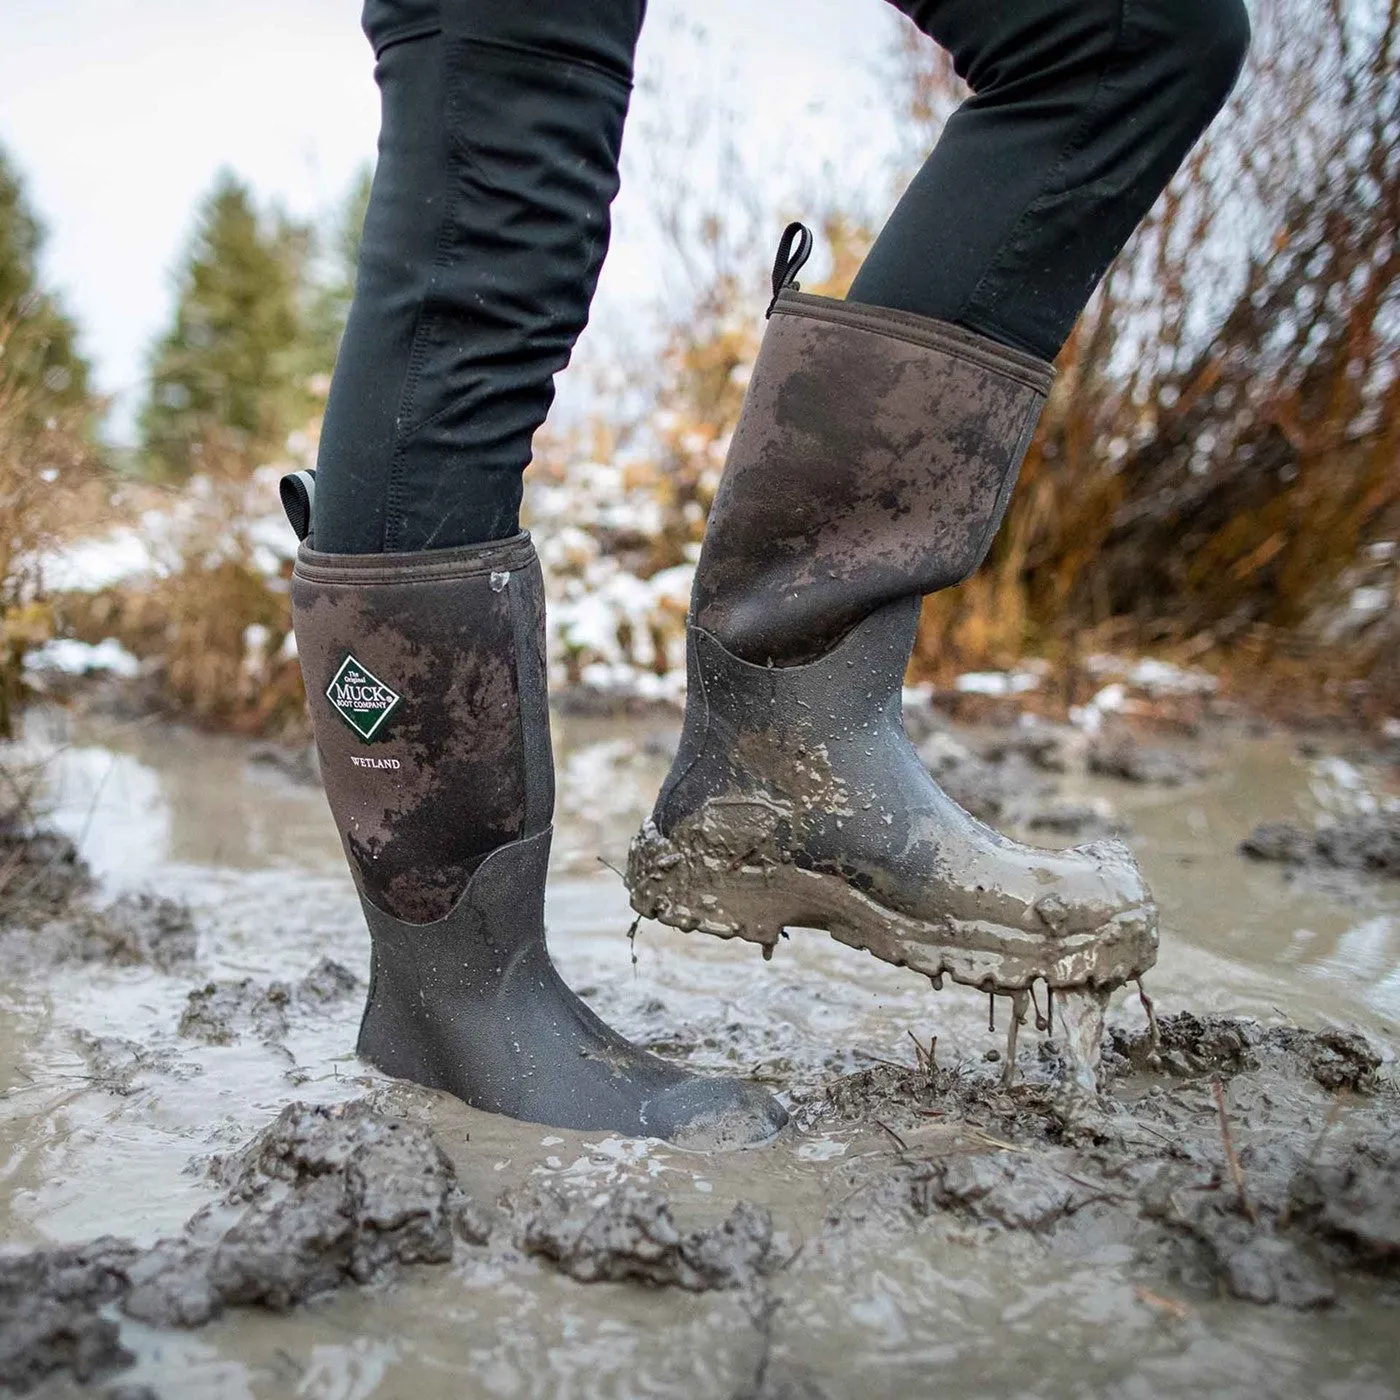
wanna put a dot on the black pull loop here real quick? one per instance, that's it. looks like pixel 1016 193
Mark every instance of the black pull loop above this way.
pixel 794 248
pixel 298 491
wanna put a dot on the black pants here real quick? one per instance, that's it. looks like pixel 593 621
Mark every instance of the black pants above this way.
pixel 501 130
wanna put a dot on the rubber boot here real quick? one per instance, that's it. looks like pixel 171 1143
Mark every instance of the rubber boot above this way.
pixel 426 679
pixel 871 465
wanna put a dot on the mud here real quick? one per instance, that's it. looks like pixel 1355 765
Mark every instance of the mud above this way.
pixel 50 912
pixel 1125 756
pixel 929 1224
pixel 1282 1188
pixel 1368 844
pixel 41 873
pixel 327 1196
pixel 51 1317
pixel 994 791
pixel 220 1013
pixel 631 1236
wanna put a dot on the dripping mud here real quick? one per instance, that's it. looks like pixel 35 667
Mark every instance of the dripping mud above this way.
pixel 206 1194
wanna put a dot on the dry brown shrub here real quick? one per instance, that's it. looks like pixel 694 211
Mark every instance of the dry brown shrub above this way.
pixel 1224 437
pixel 1223 441
pixel 212 620
pixel 47 464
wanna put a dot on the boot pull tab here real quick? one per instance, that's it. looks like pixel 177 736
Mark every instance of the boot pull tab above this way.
pixel 794 248
pixel 298 492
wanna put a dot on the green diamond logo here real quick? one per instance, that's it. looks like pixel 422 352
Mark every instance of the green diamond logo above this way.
pixel 360 698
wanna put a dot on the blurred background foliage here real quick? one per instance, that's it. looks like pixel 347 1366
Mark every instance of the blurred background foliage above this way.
pixel 1216 479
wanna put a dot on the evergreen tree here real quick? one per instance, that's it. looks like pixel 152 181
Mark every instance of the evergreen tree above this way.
pixel 330 299
pixel 37 338
pixel 229 376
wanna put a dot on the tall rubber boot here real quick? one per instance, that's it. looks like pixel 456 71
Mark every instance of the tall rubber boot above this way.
pixel 871 465
pixel 426 678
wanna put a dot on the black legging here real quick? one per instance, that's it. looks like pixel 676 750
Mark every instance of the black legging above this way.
pixel 488 221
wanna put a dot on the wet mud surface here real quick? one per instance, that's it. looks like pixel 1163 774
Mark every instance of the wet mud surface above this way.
pixel 205 1194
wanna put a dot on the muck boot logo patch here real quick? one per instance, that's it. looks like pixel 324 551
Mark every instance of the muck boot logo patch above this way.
pixel 360 698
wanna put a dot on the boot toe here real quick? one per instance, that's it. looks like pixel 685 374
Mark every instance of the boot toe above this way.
pixel 1098 882
pixel 714 1115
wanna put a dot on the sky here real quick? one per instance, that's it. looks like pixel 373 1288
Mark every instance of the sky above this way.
pixel 119 113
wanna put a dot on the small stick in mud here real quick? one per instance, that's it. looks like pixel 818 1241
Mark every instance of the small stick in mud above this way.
pixel 1173 1307
pixel 923 1056
pixel 1231 1156
pixel 899 1141
pixel 1154 1032
pixel 1333 1115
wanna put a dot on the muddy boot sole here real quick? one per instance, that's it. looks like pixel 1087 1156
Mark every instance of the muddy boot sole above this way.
pixel 689 888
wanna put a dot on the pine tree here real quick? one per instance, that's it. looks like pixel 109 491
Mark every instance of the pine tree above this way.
pixel 38 340
pixel 330 299
pixel 228 379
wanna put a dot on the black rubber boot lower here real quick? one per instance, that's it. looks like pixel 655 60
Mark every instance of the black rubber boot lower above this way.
pixel 426 681
pixel 473 1005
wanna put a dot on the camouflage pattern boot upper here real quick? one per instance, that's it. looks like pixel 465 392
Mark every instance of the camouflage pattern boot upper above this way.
pixel 871 465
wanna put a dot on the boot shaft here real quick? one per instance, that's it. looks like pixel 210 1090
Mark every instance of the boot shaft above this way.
pixel 425 676
pixel 873 460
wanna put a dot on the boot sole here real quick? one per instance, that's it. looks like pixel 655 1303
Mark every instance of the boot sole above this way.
pixel 689 888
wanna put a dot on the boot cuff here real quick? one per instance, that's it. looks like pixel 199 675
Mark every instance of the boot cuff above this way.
pixel 417 566
pixel 952 340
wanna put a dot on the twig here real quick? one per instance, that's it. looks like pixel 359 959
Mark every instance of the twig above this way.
pixel 996 1142
pixel 924 1056
pixel 899 1141
pixel 1333 1114
pixel 1231 1156
pixel 1173 1307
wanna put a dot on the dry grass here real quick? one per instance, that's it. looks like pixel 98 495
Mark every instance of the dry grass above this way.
pixel 213 623
pixel 47 464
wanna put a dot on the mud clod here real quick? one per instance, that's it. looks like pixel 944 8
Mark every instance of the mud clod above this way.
pixel 334 1195
pixel 136 930
pixel 1189 1046
pixel 631 1235
pixel 1123 756
pixel 992 792
pixel 49 1312
pixel 326 984
pixel 219 1013
pixel 1369 844
pixel 1357 1199
pixel 1192 1046
pixel 42 873
pixel 327 1195
pixel 1267 1269
pixel 1018 1191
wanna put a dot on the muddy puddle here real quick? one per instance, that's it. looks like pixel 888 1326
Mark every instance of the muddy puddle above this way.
pixel 917 1231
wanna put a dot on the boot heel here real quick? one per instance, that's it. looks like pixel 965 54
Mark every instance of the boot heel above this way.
pixel 391 1038
pixel 689 891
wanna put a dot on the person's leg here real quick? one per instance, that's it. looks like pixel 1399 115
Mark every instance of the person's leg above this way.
pixel 418 603
pixel 1081 112
pixel 486 230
